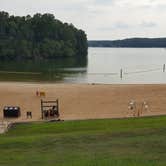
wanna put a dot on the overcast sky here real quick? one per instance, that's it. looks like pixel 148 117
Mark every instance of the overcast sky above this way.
pixel 101 19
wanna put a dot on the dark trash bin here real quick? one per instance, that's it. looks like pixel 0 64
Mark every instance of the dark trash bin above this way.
pixel 11 112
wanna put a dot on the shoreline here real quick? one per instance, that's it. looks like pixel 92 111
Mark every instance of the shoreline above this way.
pixel 83 101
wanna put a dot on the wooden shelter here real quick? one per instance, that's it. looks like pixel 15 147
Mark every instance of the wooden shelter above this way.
pixel 49 109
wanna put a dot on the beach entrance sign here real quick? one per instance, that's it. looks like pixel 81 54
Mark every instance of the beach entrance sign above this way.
pixel 49 109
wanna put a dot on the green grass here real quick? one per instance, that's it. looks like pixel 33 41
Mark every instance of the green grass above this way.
pixel 124 142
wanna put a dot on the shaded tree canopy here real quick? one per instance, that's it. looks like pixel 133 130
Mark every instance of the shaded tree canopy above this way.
pixel 39 37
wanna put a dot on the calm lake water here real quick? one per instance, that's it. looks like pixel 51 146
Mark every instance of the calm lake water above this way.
pixel 103 65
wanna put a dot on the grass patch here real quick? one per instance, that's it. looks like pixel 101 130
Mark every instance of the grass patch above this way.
pixel 124 142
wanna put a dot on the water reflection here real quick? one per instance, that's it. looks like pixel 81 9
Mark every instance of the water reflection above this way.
pixel 140 65
pixel 44 70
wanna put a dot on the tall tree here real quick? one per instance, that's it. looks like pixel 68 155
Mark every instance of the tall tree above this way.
pixel 39 37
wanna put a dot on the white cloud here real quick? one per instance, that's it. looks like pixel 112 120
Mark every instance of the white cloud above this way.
pixel 101 19
pixel 139 2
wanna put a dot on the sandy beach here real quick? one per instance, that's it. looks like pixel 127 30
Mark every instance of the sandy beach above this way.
pixel 83 101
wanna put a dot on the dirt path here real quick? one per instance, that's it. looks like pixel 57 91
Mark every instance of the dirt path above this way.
pixel 4 125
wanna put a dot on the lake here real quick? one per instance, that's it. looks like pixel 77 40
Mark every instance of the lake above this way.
pixel 103 65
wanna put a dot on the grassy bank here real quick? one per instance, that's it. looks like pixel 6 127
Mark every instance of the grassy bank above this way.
pixel 125 142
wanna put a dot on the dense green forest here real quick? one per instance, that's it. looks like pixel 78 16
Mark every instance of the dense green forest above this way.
pixel 39 37
pixel 132 42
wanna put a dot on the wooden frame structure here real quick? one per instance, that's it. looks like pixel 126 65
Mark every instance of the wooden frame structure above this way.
pixel 138 108
pixel 48 107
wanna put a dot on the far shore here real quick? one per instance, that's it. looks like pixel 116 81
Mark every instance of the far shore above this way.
pixel 83 101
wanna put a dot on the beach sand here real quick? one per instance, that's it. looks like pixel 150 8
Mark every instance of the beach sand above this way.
pixel 83 101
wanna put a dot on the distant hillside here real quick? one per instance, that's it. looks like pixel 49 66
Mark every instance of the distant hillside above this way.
pixel 132 42
pixel 41 36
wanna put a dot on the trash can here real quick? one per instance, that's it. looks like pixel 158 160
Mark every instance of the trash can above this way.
pixel 11 112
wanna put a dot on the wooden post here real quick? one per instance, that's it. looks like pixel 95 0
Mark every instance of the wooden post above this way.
pixel 142 109
pixel 42 109
pixel 138 115
pixel 58 106
pixel 164 68
pixel 121 73
pixel 135 110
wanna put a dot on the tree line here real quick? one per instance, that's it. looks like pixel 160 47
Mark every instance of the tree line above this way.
pixel 132 42
pixel 39 37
